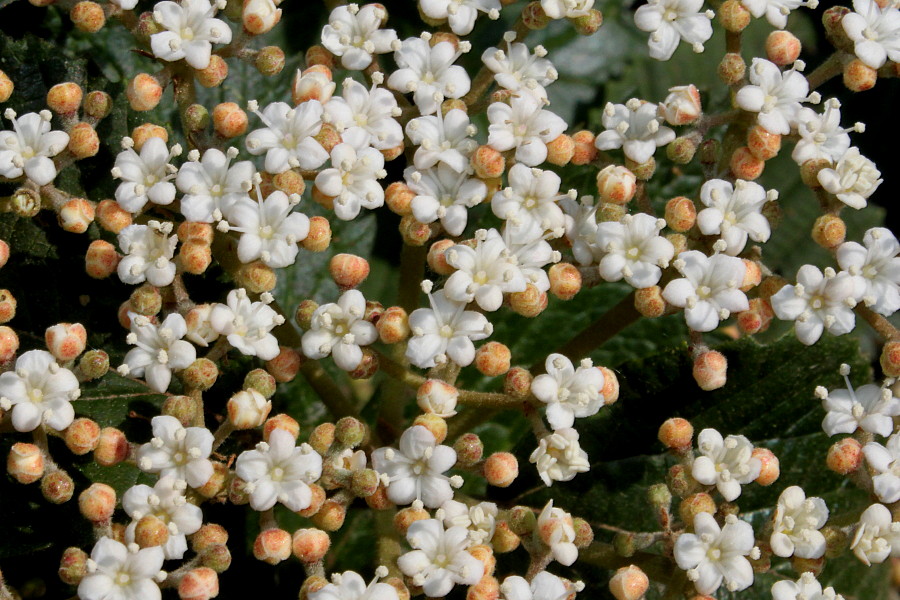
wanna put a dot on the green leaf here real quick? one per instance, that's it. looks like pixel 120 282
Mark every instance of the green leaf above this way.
pixel 110 400
pixel 25 237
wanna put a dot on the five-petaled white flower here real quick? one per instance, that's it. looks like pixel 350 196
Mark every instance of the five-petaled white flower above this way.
pixel 559 456
pixel 212 185
pixel 444 331
pixel 270 229
pixel 544 586
pixel 852 180
pixel 30 146
pixel 145 176
pixel 525 125
pixel 479 519
pixel 876 268
pixel 39 391
pixel 568 392
pixel 807 587
pixel 339 329
pixel 149 250
pixel 869 408
pixel 165 501
pixel 416 470
pixel 484 273
pixel 633 249
pixel 177 451
pixel 776 11
pixel 355 34
pixel 877 536
pixel 445 194
pixel 460 14
pixel 726 463
pixel 821 135
pixel 670 21
pixel 158 351
pixel 365 117
pixel 711 555
pixel 190 31
pixel 349 585
pixel 122 572
pixel 709 289
pixel 520 69
pixel 818 302
pixel 796 525
pixel 734 212
pixel 442 139
pixel 247 324
pixel 776 96
pixel 279 471
pixel 439 559
pixel 352 180
pixel 429 73
pixel 635 128
pixel 555 528
pixel 885 462
pixel 874 31
pixel 529 203
pixel 287 138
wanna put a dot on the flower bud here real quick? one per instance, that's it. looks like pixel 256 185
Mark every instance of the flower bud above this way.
pixel 518 383
pixel 88 17
pixel 682 105
pixel 501 469
pixel 732 69
pixel 195 257
pixel 146 300
pixel 208 536
pixel 329 137
pixel 7 306
pixel 398 197
pixel 319 55
pixel 584 534
pixel 184 408
pixel 151 531
pixel 310 545
pixel 752 275
pixel 65 98
pixel 97 503
pixel 534 17
pixel 504 540
pixel 616 184
pixel 257 277
pixel 9 344
pixel 746 166
pixel 281 421
pixel 214 73
pixel 413 232
pixel 393 326
pixel 82 436
pixel 144 92
pixel 681 150
pixel 311 585
pixel 200 374
pixel 845 456
pixel 829 231
pixel 676 433
pixel 812 565
pixel 649 302
pixel 521 520
pixel 97 104
pixel 269 61
pixel 710 370
pixel 196 117
pixel 437 259
pixel 4 249
pixel 492 359
pixel 350 432
pixel 560 150
pixel 315 83
pixel 585 151
pixel 76 215
pixel 319 236
pixel 217 558
pixel 248 409
pixel 834 30
pixel 407 516
pixel 762 144
pixel 260 16
pixel 317 495
pixel 610 389
pixel 322 437
pixel 890 359
pixel 695 504
pixel 488 162
pixel 433 423
pixel 587 24
pixel 112 217
pixel 770 466
pixel 679 480
pixel 25 462
pixel 201 583
pixel 782 48
pixel 83 141
pixel 112 447
pixel 630 583
pixel 25 203
pixel 529 303
pixel 6 87
pixel 73 565
pixel 643 171
pixel 363 483
pixel 859 77
pixel 469 449
pixel 229 120
pixel 146 131
pixel 565 280
pixel 348 270
pixel 681 214
pixel 272 546
pixel 289 182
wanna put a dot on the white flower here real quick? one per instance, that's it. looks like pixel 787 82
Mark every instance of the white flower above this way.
pixel 247 324
pixel 544 586
pixel 125 4
pixel 569 9
pixel 165 501
pixel 796 525
pixel 159 350
pixel 581 228
pixel 555 528
pixel 670 21
pixel 852 180
pixel 709 289
pixel 39 391
pixel 776 96
pixel 682 105
pixel 199 329
pixel 212 185
pixel 776 11
pixel 438 398
pixel 633 249
pixel 190 32
pixel 479 519
pixel 869 408
pixel 635 128
pixel 148 254
pixel 29 147
pixel 349 585
pixel 734 212
pixel 287 138
pixel 115 571
pixel 726 463
pixel 711 555
pixel 817 302
pixel 524 125
pixel 352 180
pixel 428 71
pixel 532 255
pixel 442 138
pixel 568 392
pixel 339 329
pixel 885 462
pixel 874 31
pixel 821 136
pixel 145 177
pixel 460 14
pixel 559 456
pixel 365 117
pixel 279 471
pixel 355 34
pixel 446 330
pixel 314 85
pixel 269 228
pixel 445 194
pixel 807 587
pixel 416 470
pixel 518 69
pixel 484 273
pixel 876 536
pixel 177 451
pixel 439 559
pixel 529 203
pixel 876 269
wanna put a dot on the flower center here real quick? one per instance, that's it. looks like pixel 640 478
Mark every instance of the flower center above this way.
pixel 446 331
pixel 277 474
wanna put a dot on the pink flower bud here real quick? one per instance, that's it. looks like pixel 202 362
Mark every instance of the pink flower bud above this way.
pixel 9 344
pixel 112 447
pixel 844 456
pixel 25 462
pixel 676 433
pixel 144 92
pixel 710 370
pixel 437 397
pixel 348 270
pixel 272 546
pixel 112 217
pixel 97 503
pixel 281 421
pixel 229 120
pixel 66 341
pixel 201 583
pixel 6 87
pixel 770 466
pixel 88 16
pixel 82 436
pixel 493 359
pixel 101 259
pixel 313 84
pixel 565 280
pixel 501 469
pixel 393 326
pixel 8 306
pixel 616 184
pixel 682 105
pixel 286 365
pixel 260 16
pixel 310 545
pixel 629 583
pixel 73 565
pixel 83 141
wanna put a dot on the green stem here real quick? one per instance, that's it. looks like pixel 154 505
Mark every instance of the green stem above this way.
pixel 832 67
pixel 882 326
pixel 331 395
pixel 412 272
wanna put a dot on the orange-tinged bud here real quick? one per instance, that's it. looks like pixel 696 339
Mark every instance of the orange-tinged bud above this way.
pixel 488 162
pixel 214 74
pixel 229 120
pixel 97 104
pixel 112 217
pixel 272 546
pixel 710 370
pixel 83 141
pixel 829 231
pixel 76 215
pixel 733 16
pixel 681 214
pixel 65 341
pixel 398 197
pixel 529 303
pixel 195 257
pixel 649 302
pixel 782 47
pixel 348 270
pixel 112 447
pixel 281 421
pixel 65 98
pixel 9 343
pixel 585 151
pixel 560 150
pixel 407 516
pixel 770 466
pixel 565 280
pixel 413 232
pixel 88 17
pixel 319 237
pixel 501 469
pixel 393 326
pixel 616 184
pixel 762 144
pixel 144 92
pixel 286 365
pixel 844 456
pixel 201 583
pixel 859 77
pixel 695 504
pixel 610 388
pixel 6 87
pixel 82 436
pixel 746 166
pixel 890 359
pixel 101 259
pixel 25 462
pixel 518 383
pixel 97 503
pixel 7 306
pixel 732 69
pixel 73 565
pixel 492 359
pixel 629 583
pixel 433 423
pixel 676 433
pixel 151 531
pixel 310 545
pixel 260 16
